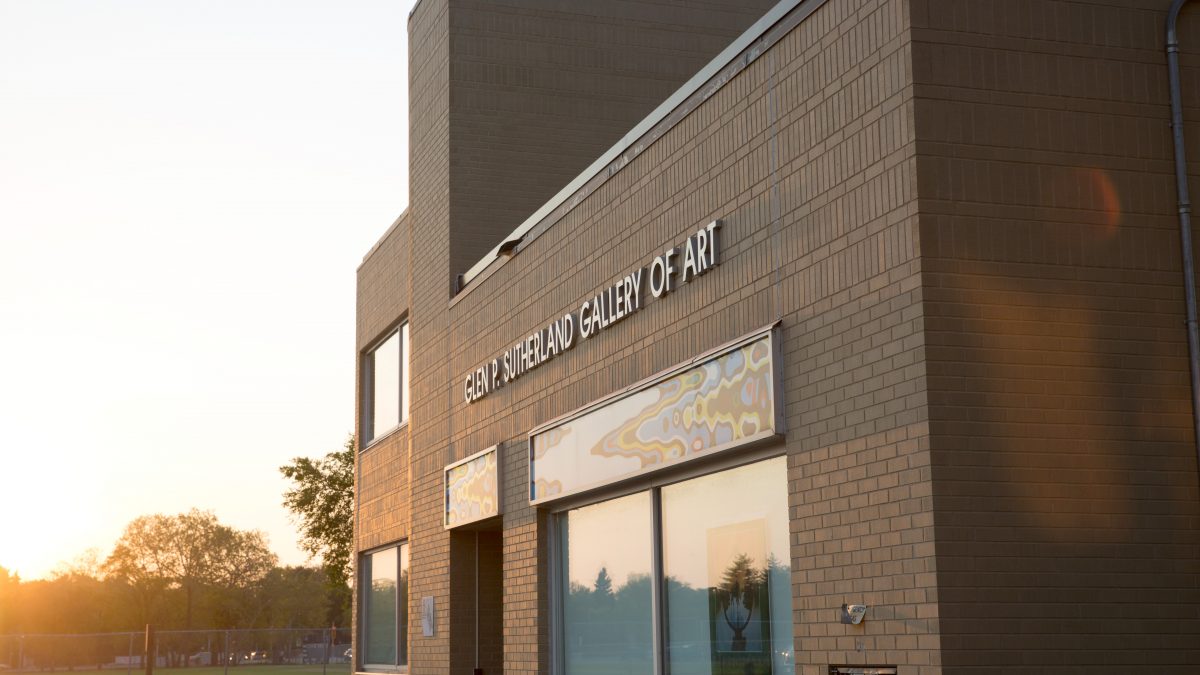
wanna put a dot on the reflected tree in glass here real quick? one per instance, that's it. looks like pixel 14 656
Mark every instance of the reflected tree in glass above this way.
pixel 607 620
pixel 385 600
pixel 380 611
pixel 728 598
pixel 737 597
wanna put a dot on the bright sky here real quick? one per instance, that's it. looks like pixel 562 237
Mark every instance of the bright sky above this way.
pixel 186 189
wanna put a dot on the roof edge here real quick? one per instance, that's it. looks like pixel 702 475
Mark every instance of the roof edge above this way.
pixel 387 233
pixel 695 84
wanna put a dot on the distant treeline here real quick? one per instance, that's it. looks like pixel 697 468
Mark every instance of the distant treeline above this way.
pixel 186 571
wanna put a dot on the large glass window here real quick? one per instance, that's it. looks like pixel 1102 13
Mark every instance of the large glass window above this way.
pixel 383 622
pixel 721 599
pixel 728 572
pixel 607 569
pixel 385 385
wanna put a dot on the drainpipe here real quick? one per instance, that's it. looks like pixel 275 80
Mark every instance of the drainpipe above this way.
pixel 1185 214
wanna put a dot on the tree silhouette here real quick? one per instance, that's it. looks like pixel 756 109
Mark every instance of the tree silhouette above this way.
pixel 603 584
pixel 191 551
pixel 739 589
pixel 321 499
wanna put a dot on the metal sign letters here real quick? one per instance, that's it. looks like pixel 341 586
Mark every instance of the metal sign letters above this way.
pixel 609 306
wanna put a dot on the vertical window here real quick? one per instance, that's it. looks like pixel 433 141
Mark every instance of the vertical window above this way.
pixel 720 600
pixel 728 572
pixel 385 385
pixel 607 613
pixel 383 618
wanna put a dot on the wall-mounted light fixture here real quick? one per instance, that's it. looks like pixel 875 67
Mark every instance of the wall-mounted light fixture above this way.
pixel 853 614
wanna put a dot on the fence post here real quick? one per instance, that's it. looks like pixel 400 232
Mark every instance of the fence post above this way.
pixel 151 650
pixel 129 657
pixel 226 653
pixel 325 665
pixel 21 653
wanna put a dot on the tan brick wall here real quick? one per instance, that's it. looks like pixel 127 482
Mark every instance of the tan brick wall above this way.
pixel 381 485
pixel 1065 480
pixel 429 176
pixel 827 241
pixel 541 88
pixel 383 301
pixel 1006 352
pixel 526 612
pixel 1008 355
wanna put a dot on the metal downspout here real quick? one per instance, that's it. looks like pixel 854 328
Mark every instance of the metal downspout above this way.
pixel 1185 213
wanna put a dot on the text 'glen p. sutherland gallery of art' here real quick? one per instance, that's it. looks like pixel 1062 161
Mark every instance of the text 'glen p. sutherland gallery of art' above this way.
pixel 744 337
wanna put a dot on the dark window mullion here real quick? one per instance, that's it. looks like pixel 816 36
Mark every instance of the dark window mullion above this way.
pixel 400 381
pixel 364 572
pixel 368 398
pixel 401 597
pixel 658 596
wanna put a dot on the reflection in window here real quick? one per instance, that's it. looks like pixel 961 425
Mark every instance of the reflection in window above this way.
pixel 607 620
pixel 725 581
pixel 384 603
pixel 728 581
pixel 385 385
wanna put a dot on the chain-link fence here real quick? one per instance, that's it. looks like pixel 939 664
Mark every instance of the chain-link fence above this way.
pixel 280 651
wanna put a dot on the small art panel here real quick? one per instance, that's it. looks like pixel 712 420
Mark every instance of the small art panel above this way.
pixel 716 404
pixel 473 489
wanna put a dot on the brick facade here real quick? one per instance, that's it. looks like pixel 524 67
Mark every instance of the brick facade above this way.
pixel 961 218
pixel 1065 484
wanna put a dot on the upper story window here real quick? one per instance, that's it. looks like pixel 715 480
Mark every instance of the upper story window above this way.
pixel 385 385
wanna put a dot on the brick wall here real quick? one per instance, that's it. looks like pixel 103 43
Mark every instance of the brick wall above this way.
pixel 1065 479
pixel 963 214
pixel 429 176
pixel 807 156
pixel 381 484
pixel 525 571
pixel 383 301
pixel 541 88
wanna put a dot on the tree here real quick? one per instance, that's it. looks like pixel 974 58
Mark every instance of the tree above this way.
pixel 322 500
pixel 739 591
pixel 192 552
pixel 603 584
pixel 10 584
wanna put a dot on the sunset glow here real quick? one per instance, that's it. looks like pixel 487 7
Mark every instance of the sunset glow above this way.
pixel 183 190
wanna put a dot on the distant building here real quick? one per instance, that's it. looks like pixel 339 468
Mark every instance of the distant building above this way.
pixel 712 323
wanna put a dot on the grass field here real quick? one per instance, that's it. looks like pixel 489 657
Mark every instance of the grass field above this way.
pixel 334 669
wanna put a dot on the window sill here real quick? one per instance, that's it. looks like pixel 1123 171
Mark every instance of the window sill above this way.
pixel 376 441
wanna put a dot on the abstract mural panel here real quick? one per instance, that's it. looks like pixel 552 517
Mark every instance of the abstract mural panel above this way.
pixel 472 489
pixel 722 402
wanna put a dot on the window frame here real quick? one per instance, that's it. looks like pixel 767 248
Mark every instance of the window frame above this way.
pixel 652 483
pixel 367 385
pixel 401 609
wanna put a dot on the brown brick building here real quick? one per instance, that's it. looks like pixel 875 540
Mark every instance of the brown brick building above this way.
pixel 919 345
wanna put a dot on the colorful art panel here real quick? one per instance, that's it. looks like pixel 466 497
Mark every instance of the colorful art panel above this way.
pixel 720 403
pixel 473 489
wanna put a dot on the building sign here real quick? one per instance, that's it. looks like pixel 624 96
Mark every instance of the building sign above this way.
pixel 717 401
pixel 609 306
pixel 472 488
